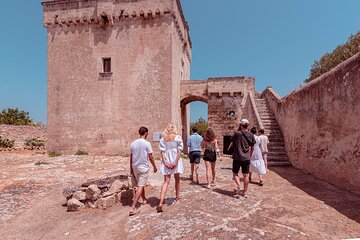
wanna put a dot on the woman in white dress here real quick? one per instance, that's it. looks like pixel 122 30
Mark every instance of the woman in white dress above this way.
pixel 171 146
pixel 257 164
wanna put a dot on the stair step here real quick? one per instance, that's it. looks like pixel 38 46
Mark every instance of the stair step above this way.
pixel 278 159
pixel 277 154
pixel 276 149
pixel 279 164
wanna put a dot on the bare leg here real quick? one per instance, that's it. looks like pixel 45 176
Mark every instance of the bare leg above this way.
pixel 192 172
pixel 196 172
pixel 213 171
pixel 143 197
pixel 246 181
pixel 177 185
pixel 237 180
pixel 164 189
pixel 139 192
pixel 261 183
pixel 208 166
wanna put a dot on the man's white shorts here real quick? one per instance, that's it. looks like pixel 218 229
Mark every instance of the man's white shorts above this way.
pixel 141 176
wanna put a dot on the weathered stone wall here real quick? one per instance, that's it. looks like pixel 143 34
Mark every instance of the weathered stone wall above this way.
pixel 225 99
pixel 250 112
pixel 21 133
pixel 101 113
pixel 320 123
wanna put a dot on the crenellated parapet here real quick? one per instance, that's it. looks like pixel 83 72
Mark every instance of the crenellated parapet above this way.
pixel 64 14
pixel 203 90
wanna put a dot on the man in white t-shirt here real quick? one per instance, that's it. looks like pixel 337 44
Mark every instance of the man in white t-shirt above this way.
pixel 141 155
pixel 264 141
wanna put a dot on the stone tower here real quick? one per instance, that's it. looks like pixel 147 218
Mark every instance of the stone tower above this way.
pixel 113 66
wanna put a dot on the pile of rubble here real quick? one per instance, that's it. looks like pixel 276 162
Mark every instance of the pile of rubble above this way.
pixel 102 193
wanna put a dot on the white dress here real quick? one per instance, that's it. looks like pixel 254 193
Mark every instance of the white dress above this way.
pixel 171 150
pixel 257 164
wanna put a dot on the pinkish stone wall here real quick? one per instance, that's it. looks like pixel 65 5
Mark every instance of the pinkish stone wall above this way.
pixel 250 112
pixel 222 95
pixel 21 133
pixel 320 124
pixel 101 113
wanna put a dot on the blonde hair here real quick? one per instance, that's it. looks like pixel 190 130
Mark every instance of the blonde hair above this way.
pixel 170 132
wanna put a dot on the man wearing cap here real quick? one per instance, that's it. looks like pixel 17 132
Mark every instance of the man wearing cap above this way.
pixel 243 142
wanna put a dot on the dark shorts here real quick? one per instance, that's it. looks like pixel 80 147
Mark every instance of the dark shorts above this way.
pixel 195 157
pixel 245 166
pixel 209 156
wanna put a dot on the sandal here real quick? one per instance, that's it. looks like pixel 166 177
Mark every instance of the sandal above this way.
pixel 133 212
pixel 261 183
pixel 159 209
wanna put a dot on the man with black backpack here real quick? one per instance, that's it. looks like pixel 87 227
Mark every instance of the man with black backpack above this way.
pixel 243 142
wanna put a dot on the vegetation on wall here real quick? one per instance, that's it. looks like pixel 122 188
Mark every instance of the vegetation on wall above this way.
pixel 34 143
pixel 331 60
pixel 6 143
pixel 201 124
pixel 15 116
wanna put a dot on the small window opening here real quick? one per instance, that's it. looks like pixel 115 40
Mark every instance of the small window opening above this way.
pixel 107 65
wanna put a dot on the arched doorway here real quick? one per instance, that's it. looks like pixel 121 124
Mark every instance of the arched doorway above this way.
pixel 185 116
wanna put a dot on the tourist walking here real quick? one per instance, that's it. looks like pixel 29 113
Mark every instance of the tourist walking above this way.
pixel 257 164
pixel 264 141
pixel 211 150
pixel 194 144
pixel 243 143
pixel 171 146
pixel 141 155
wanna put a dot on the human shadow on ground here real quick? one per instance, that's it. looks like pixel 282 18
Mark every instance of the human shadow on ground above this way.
pixel 226 168
pixel 343 201
pixel 225 192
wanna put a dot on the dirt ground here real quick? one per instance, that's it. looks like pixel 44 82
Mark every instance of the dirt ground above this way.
pixel 291 204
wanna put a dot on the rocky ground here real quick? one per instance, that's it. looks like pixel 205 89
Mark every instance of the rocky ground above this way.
pixel 291 204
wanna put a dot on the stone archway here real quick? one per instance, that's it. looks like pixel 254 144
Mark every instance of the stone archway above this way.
pixel 191 91
pixel 225 98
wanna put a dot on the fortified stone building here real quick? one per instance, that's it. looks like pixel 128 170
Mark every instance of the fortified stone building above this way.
pixel 115 65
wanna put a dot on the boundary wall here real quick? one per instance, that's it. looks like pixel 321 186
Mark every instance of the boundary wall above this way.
pixel 320 123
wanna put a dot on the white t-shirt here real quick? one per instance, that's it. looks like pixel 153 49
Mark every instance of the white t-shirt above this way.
pixel 264 141
pixel 140 149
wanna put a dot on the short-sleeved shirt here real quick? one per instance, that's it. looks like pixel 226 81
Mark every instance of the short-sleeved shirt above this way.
pixel 140 149
pixel 264 141
pixel 194 143
pixel 242 141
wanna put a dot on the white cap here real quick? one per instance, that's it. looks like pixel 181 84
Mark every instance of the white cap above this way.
pixel 244 121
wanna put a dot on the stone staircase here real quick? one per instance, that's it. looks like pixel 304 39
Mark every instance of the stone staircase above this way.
pixel 277 155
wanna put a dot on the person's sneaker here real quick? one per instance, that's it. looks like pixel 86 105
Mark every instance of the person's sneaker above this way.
pixel 261 183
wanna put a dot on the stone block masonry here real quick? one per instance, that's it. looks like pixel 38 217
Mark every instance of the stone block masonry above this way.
pixel 113 66
pixel 21 133
pixel 320 124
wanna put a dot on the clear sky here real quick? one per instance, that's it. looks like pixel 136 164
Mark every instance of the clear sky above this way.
pixel 276 41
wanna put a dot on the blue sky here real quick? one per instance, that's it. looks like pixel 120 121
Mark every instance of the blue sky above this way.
pixel 275 41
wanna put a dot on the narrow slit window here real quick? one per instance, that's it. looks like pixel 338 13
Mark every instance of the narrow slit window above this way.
pixel 107 65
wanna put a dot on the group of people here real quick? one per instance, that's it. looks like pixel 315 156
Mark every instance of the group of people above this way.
pixel 249 154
